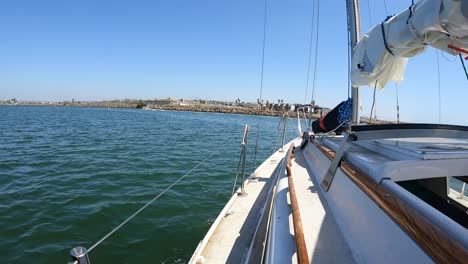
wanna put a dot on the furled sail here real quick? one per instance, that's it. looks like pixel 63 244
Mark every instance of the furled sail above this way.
pixel 382 54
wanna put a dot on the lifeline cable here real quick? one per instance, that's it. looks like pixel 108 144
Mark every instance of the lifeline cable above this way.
pixel 155 198
pixel 237 173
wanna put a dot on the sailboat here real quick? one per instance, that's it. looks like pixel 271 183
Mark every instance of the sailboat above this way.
pixel 344 192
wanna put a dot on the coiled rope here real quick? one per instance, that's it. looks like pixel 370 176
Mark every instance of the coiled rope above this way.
pixel 156 197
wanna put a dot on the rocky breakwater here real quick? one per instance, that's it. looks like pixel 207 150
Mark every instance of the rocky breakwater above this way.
pixel 224 109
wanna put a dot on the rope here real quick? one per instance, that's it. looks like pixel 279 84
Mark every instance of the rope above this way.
pixel 382 27
pixel 331 131
pixel 344 115
pixel 310 51
pixel 373 103
pixel 460 50
pixel 448 59
pixel 261 81
pixel 410 11
pixel 155 198
pixel 438 82
pixel 316 51
pixel 463 64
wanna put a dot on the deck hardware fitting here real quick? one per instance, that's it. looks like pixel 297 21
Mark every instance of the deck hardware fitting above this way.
pixel 327 180
pixel 79 255
pixel 253 180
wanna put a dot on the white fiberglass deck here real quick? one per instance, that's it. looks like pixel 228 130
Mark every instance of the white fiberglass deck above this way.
pixel 324 240
pixel 463 200
pixel 343 225
pixel 229 238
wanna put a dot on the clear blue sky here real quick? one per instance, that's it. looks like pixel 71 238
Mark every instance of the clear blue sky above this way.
pixel 94 50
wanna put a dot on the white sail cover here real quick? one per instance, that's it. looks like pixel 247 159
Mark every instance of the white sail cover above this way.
pixel 438 23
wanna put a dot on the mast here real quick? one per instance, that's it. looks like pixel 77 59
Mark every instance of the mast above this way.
pixel 354 28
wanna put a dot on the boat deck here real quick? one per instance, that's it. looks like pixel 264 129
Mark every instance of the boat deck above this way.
pixel 372 209
pixel 230 236
pixel 239 233
pixel 324 240
pixel 459 199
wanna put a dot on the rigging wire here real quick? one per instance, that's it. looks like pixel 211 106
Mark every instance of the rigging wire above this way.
pixel 375 107
pixel 370 14
pixel 397 104
pixel 310 51
pixel 278 133
pixel 261 82
pixel 463 64
pixel 385 6
pixel 156 197
pixel 373 103
pixel 438 82
pixel 349 45
pixel 447 59
pixel 349 64
pixel 316 50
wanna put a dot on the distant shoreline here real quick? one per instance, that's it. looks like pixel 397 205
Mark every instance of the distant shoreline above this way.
pixel 207 108
pixel 190 108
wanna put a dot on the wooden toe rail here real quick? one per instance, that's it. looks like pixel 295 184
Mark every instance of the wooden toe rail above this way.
pixel 302 257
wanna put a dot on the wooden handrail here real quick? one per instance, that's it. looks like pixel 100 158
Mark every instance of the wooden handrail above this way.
pixel 436 243
pixel 302 256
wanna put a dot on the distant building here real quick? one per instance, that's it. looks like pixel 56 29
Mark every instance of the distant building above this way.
pixel 167 101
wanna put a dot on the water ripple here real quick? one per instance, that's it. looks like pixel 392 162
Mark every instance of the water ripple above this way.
pixel 70 175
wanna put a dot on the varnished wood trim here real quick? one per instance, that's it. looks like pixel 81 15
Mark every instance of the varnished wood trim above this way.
pixel 436 243
pixel 302 257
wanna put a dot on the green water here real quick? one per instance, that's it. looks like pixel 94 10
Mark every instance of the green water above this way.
pixel 70 175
